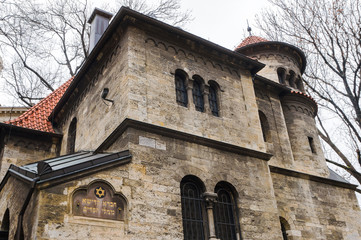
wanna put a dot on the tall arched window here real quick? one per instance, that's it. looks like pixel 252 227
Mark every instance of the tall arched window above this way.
pixel 198 99
pixel 265 127
pixel 193 213
pixel 71 136
pixel 281 72
pixel 181 88
pixel 5 225
pixel 213 99
pixel 225 214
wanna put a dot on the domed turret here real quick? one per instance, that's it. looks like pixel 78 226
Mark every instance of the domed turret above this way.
pixel 285 63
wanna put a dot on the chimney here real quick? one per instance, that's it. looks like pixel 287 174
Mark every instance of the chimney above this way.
pixel 99 21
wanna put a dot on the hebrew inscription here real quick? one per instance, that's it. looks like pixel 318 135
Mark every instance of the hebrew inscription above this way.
pixel 99 201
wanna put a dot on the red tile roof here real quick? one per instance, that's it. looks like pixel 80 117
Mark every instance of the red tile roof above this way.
pixel 37 117
pixel 251 40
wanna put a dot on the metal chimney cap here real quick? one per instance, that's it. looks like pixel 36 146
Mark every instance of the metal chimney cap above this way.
pixel 100 12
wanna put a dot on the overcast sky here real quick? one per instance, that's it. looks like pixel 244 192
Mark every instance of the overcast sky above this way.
pixel 222 22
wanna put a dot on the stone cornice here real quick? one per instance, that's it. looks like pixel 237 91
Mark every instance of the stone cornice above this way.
pixel 288 172
pixel 167 132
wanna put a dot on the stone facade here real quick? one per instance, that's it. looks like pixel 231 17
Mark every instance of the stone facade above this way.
pixel 263 146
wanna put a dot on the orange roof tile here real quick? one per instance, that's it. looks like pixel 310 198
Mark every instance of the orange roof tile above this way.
pixel 251 40
pixel 37 117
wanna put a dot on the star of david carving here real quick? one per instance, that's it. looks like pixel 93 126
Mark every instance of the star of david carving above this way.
pixel 99 192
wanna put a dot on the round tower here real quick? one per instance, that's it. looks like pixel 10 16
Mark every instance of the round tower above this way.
pixel 285 65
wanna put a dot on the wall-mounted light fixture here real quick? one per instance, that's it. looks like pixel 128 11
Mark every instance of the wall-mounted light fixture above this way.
pixel 105 94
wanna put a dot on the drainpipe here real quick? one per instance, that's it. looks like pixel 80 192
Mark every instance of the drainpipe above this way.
pixel 23 209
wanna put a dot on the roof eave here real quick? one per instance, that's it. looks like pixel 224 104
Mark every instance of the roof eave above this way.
pixel 15 128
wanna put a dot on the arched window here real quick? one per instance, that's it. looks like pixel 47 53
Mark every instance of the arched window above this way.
pixel 71 136
pixel 5 225
pixel 281 72
pixel 299 83
pixel 181 88
pixel 193 213
pixel 213 99
pixel 265 127
pixel 198 99
pixel 292 79
pixel 284 228
pixel 225 214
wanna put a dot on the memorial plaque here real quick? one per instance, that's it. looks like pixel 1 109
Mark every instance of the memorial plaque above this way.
pixel 99 201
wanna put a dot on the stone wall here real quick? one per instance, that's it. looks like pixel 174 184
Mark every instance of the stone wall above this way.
pixel 151 185
pixel 140 78
pixel 21 150
pixel 316 210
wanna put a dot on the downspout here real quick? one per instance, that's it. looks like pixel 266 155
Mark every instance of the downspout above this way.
pixel 23 209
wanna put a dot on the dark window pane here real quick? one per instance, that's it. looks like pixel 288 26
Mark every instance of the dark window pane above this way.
pixel 224 216
pixel 198 96
pixel 213 103
pixel 71 136
pixel 181 90
pixel 193 227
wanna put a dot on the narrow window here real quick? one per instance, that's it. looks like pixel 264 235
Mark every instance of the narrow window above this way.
pixel 284 228
pixel 192 210
pixel 225 214
pixel 265 127
pixel 71 136
pixel 312 144
pixel 213 100
pixel 299 84
pixel 198 95
pixel 5 225
pixel 292 79
pixel 281 72
pixel 181 89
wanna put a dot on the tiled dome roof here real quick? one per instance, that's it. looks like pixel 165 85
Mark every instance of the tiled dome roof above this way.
pixel 251 40
pixel 37 117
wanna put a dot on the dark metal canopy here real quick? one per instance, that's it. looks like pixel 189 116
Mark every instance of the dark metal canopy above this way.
pixel 66 165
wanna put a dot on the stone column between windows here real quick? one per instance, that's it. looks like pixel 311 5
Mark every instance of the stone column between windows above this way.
pixel 210 199
pixel 190 95
pixel 207 108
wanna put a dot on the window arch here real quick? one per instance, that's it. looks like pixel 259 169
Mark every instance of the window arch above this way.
pixel 225 212
pixel 71 136
pixel 5 225
pixel 193 212
pixel 281 72
pixel 265 127
pixel 284 228
pixel 197 92
pixel 213 98
pixel 181 87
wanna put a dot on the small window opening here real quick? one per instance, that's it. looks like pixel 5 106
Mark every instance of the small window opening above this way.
pixel 181 89
pixel 284 228
pixel 281 72
pixel 299 84
pixel 71 136
pixel 265 127
pixel 5 225
pixel 198 95
pixel 312 144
